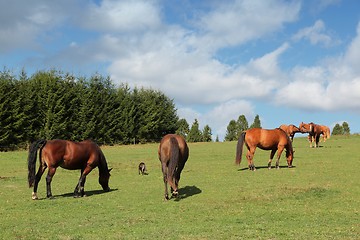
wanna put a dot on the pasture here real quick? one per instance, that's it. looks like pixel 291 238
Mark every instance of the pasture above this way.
pixel 317 199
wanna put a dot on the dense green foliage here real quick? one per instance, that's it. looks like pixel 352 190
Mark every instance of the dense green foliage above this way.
pixel 256 123
pixel 235 128
pixel 317 199
pixel 343 129
pixel 56 105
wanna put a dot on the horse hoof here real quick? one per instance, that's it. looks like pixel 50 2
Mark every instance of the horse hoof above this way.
pixel 34 196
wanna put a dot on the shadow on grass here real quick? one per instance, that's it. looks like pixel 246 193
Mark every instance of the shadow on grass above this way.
pixel 265 167
pixel 87 194
pixel 188 191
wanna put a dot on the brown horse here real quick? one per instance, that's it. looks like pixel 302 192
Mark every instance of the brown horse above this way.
pixel 274 140
pixel 325 131
pixel 290 130
pixel 173 153
pixel 85 156
pixel 314 131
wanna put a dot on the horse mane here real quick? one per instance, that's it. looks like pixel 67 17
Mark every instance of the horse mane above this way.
pixel 103 167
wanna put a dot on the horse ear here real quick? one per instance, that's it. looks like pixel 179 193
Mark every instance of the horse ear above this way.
pixel 110 169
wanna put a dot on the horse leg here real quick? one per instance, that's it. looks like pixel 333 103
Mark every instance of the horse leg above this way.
pixel 250 156
pixel 271 158
pixel 37 180
pixel 77 187
pixel 80 188
pixel 280 150
pixel 164 171
pixel 49 177
pixel 317 138
pixel 177 178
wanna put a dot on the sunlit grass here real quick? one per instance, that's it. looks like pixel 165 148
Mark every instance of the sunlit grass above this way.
pixel 317 199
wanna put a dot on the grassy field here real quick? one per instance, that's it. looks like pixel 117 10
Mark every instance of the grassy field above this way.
pixel 317 199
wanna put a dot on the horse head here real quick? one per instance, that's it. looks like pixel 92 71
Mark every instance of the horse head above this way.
pixel 304 127
pixel 290 157
pixel 104 180
pixel 294 129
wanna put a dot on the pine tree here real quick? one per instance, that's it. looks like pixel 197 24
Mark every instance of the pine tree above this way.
pixel 346 128
pixel 337 130
pixel 6 111
pixel 182 128
pixel 256 123
pixel 231 131
pixel 194 134
pixel 206 134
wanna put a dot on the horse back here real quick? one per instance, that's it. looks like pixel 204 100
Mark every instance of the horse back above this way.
pixel 71 155
pixel 266 139
pixel 164 150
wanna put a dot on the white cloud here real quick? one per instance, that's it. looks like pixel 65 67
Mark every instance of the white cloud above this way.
pixel 237 22
pixel 125 15
pixel 332 85
pixel 219 116
pixel 316 34
pixel 352 56
pixel 21 27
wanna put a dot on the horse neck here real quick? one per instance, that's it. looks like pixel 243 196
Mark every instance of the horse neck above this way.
pixel 289 148
pixel 103 167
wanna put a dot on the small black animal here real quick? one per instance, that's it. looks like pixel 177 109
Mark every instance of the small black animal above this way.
pixel 142 169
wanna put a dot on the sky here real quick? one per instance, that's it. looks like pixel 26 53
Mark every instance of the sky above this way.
pixel 288 61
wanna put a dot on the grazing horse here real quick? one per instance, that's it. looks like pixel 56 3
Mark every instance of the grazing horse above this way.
pixel 142 168
pixel 85 156
pixel 325 131
pixel 274 140
pixel 173 153
pixel 290 130
pixel 314 131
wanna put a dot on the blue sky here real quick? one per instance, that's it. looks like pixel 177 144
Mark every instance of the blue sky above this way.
pixel 287 61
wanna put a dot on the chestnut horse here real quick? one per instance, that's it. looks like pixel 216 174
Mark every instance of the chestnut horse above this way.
pixel 173 153
pixel 85 156
pixel 325 131
pixel 274 140
pixel 314 131
pixel 290 130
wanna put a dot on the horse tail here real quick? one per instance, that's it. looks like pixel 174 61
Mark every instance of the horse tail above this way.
pixel 32 160
pixel 239 148
pixel 174 158
pixel 328 133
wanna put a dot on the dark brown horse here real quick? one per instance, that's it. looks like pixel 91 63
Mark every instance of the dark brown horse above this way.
pixel 173 153
pixel 314 131
pixel 85 156
pixel 290 130
pixel 274 140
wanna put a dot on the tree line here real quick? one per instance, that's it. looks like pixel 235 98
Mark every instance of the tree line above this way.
pixel 235 128
pixel 342 129
pixel 52 104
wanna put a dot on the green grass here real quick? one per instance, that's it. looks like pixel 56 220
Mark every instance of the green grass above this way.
pixel 317 199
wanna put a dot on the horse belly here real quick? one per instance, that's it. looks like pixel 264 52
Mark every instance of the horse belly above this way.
pixel 72 164
pixel 267 147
